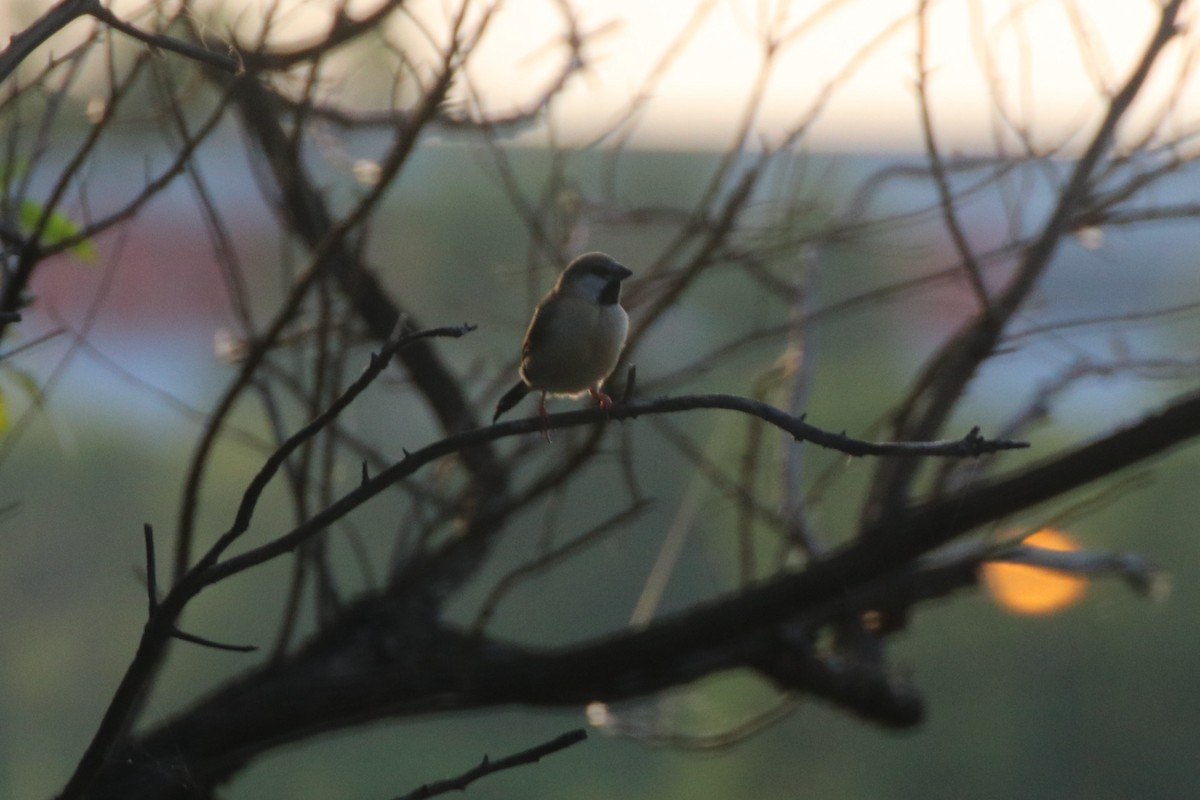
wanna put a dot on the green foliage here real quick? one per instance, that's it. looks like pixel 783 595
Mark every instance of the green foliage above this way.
pixel 57 228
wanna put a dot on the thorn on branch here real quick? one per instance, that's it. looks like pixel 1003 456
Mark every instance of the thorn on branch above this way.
pixel 974 444
pixel 630 384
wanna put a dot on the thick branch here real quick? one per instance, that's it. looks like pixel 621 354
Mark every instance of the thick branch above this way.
pixel 382 660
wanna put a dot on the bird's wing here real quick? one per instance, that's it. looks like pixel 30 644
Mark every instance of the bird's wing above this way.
pixel 542 322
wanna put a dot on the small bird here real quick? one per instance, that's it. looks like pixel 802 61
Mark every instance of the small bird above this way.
pixel 575 337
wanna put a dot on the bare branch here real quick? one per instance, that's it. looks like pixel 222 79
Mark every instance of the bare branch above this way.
pixel 488 767
pixel 192 638
pixel 378 364
pixel 1142 574
pixel 65 12
pixel 160 628
pixel 550 559
pixel 210 571
pixel 151 569
pixel 23 44
pixel 195 52
pixel 933 154
pixel 810 606
pixel 948 373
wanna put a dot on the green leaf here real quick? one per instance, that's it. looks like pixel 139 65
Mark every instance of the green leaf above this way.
pixel 59 227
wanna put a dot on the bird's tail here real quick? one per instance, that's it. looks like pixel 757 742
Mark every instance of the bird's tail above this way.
pixel 510 399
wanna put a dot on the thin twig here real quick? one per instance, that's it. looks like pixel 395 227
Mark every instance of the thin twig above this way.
pixel 489 767
pixel 195 52
pixel 22 44
pixel 551 559
pixel 970 446
pixel 203 642
pixel 947 374
pixel 160 628
pixel 151 569
pixel 1140 573
pixel 933 153
pixel 379 362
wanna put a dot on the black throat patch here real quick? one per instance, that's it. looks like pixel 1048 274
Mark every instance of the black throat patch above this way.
pixel 610 295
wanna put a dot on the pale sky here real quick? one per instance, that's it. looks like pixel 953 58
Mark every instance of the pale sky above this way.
pixel 1051 70
pixel 1053 59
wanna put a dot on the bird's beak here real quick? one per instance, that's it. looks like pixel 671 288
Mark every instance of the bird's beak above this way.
pixel 621 272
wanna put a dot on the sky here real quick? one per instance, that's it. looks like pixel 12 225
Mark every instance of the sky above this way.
pixel 1053 63
pixel 1046 65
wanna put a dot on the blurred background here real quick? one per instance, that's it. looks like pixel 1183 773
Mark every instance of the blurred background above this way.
pixel 1095 700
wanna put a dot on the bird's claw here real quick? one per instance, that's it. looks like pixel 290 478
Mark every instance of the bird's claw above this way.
pixel 602 399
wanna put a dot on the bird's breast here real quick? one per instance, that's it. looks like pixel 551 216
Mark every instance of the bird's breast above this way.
pixel 578 349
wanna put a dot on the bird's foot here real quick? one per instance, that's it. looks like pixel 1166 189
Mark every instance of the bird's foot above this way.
pixel 602 399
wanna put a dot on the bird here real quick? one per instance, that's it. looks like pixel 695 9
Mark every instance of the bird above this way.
pixel 575 337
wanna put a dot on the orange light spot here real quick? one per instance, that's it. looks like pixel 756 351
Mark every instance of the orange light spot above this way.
pixel 1025 589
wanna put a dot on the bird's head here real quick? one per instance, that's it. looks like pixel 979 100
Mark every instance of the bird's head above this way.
pixel 594 276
